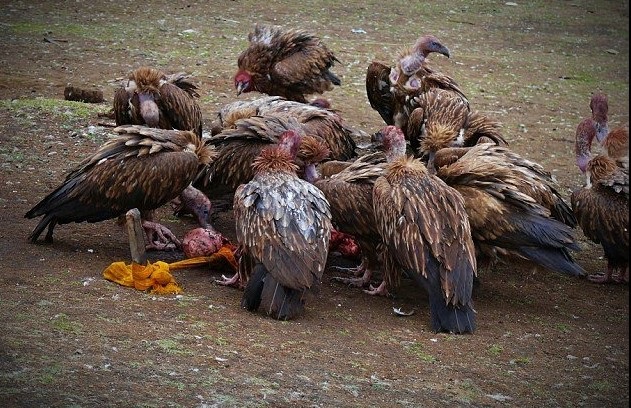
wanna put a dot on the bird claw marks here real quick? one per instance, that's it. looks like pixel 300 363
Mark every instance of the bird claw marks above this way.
pixel 397 311
pixel 159 237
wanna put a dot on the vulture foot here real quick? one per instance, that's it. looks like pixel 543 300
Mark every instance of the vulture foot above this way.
pixel 362 276
pixel 234 281
pixel 612 275
pixel 159 237
pixel 380 290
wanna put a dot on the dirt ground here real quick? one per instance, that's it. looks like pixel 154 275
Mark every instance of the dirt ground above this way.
pixel 72 338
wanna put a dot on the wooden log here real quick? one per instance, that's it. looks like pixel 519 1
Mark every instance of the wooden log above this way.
pixel 72 93
pixel 136 234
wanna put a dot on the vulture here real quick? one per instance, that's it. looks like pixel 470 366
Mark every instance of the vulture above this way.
pixel 530 177
pixel 237 147
pixel 509 203
pixel 291 63
pixel 151 98
pixel 602 205
pixel 390 90
pixel 615 142
pixel 349 193
pixel 283 226
pixel 315 120
pixel 426 233
pixel 442 119
pixel 141 168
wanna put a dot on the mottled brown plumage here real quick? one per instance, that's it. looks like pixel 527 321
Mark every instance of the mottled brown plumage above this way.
pixel 427 236
pixel 442 119
pixel 141 168
pixel 529 177
pixel 315 121
pixel 390 90
pixel 349 193
pixel 616 144
pixel 283 226
pixel 151 98
pixel 291 63
pixel 508 201
pixel 237 147
pixel 602 205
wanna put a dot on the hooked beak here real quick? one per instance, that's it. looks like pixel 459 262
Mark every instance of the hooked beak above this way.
pixel 240 88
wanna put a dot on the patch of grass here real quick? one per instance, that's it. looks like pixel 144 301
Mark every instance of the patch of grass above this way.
pixel 496 349
pixel 563 328
pixel 50 374
pixel 602 386
pixel 520 360
pixel 63 323
pixel 416 349
pixel 172 347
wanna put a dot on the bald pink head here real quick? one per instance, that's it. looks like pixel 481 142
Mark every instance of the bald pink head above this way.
pixel 599 106
pixel 585 134
pixel 391 141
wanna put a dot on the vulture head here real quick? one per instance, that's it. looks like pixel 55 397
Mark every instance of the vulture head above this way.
pixel 425 45
pixel 600 108
pixel 585 134
pixel 391 141
pixel 243 82
pixel 146 83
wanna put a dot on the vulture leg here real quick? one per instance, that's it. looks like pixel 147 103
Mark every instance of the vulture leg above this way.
pixel 612 275
pixel 234 281
pixel 159 237
pixel 380 290
pixel 362 275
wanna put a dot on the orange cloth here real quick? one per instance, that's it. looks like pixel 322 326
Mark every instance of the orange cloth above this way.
pixel 157 276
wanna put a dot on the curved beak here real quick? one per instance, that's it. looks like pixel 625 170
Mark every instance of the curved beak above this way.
pixel 445 51
pixel 240 87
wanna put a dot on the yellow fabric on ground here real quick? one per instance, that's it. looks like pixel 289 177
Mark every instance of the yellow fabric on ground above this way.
pixel 157 277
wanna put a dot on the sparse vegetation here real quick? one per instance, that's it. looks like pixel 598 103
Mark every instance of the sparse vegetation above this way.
pixel 542 339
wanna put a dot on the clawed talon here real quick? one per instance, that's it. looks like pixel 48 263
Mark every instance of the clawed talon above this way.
pixel 159 237
pixel 355 282
pixel 234 281
pixel 380 290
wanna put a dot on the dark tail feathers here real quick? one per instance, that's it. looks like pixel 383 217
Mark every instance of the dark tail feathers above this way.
pixel 446 317
pixel 278 301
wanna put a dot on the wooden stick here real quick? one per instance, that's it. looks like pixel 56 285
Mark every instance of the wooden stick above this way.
pixel 136 234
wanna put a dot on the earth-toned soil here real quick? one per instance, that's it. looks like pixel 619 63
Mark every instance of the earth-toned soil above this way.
pixel 72 338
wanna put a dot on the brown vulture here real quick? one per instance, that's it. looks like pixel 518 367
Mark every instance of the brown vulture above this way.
pixel 316 121
pixel 602 205
pixel 141 168
pixel 390 90
pixel 283 226
pixel 151 98
pixel 291 63
pixel 425 229
pixel 509 203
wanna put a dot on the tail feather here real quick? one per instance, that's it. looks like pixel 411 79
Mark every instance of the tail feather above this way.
pixel 555 259
pixel 251 299
pixel 457 319
pixel 279 301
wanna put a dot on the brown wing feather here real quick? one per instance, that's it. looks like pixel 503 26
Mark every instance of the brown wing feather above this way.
pixel 417 212
pixel 378 91
pixel 603 216
pixel 285 223
pixel 142 168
